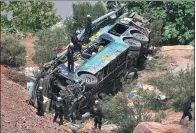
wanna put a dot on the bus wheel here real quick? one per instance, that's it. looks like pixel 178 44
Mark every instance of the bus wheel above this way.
pixel 140 37
pixel 90 80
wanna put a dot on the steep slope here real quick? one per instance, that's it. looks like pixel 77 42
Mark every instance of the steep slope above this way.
pixel 19 117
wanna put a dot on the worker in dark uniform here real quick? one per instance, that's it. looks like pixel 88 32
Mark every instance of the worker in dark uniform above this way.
pixel 59 110
pixel 187 108
pixel 97 112
pixel 76 42
pixel 40 99
pixel 70 57
pixel 88 27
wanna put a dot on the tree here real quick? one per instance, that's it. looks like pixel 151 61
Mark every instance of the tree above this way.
pixel 13 51
pixel 98 10
pixel 177 18
pixel 117 110
pixel 49 43
pixel 80 10
pixel 31 16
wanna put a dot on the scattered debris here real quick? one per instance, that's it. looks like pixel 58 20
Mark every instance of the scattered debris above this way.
pixel 30 86
pixel 132 94
pixel 7 86
pixel 31 71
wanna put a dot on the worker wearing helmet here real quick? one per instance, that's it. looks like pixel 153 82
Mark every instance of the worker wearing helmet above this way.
pixel 88 27
pixel 77 32
pixel 187 108
pixel 59 110
pixel 93 53
pixel 76 42
pixel 40 99
pixel 97 112
pixel 70 58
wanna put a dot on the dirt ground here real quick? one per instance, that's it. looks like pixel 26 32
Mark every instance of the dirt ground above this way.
pixel 3 68
pixel 181 55
pixel 172 121
pixel 177 56
pixel 28 42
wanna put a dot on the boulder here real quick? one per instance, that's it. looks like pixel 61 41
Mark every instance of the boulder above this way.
pixel 149 127
pixel 155 127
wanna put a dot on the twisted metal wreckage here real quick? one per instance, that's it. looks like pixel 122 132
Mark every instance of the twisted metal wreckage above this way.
pixel 121 41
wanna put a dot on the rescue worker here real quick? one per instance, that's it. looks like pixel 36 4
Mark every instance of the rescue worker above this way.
pixel 97 112
pixel 93 53
pixel 70 57
pixel 59 110
pixel 40 99
pixel 88 27
pixel 187 108
pixel 76 42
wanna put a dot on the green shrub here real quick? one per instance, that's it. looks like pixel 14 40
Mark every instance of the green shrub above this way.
pixel 12 52
pixel 28 16
pixel 146 97
pixel 179 87
pixel 149 100
pixel 155 35
pixel 128 85
pixel 127 117
pixel 178 18
pixel 49 43
pixel 80 10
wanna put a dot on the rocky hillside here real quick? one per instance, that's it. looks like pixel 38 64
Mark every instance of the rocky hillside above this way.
pixel 19 117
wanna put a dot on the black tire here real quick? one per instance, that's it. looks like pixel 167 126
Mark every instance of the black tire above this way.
pixel 135 45
pixel 90 80
pixel 140 37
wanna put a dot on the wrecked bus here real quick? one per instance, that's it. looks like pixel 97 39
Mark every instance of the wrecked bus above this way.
pixel 117 46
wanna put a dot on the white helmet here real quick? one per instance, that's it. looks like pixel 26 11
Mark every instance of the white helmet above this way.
pixel 40 88
pixel 93 53
pixel 71 44
pixel 88 16
pixel 96 101
pixel 59 98
pixel 77 32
